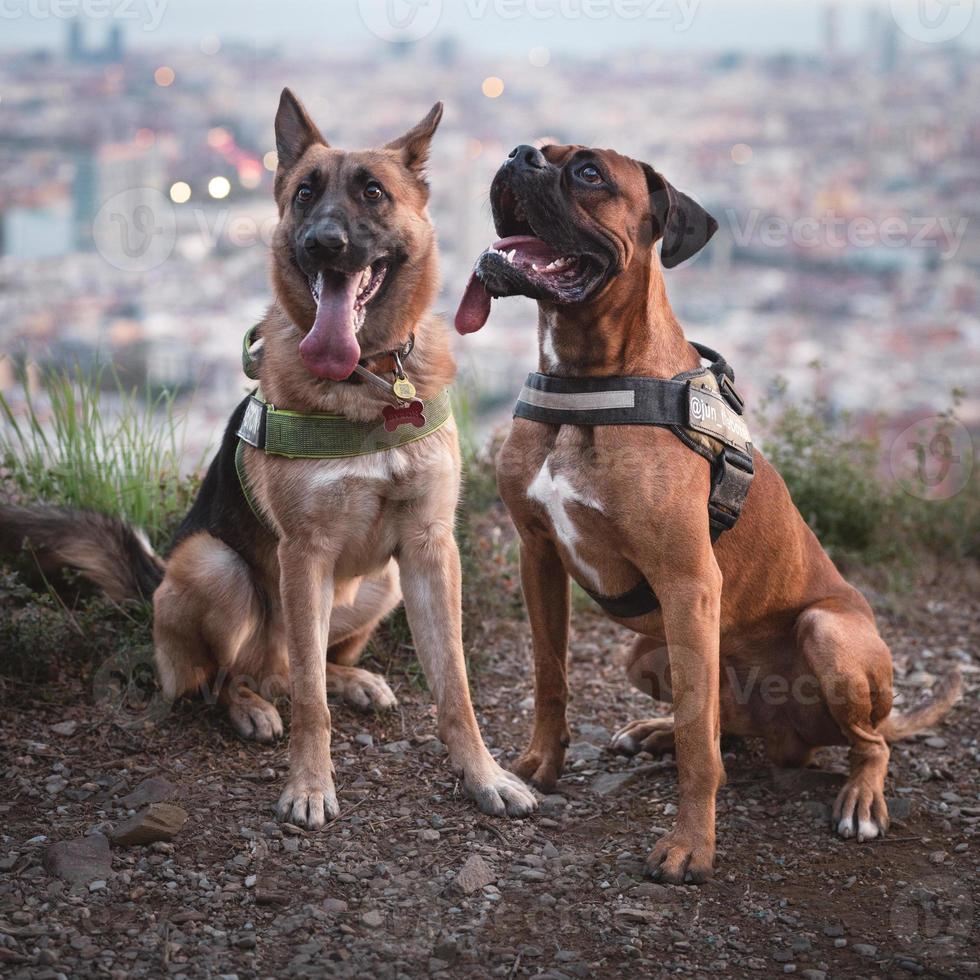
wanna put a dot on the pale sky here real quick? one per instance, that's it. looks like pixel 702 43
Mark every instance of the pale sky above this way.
pixel 495 26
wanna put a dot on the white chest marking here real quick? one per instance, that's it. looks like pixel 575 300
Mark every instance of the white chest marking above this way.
pixel 554 493
pixel 548 343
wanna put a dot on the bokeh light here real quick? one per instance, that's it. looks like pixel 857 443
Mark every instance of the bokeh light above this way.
pixel 219 187
pixel 271 160
pixel 493 87
pixel 180 192
pixel 539 56
pixel 164 76
pixel 741 153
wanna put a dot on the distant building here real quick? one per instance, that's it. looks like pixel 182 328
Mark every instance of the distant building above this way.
pixel 111 52
pixel 831 31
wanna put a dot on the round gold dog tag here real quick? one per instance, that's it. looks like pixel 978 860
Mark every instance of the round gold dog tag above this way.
pixel 403 389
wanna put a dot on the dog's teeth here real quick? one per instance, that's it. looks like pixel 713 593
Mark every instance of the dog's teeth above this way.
pixel 535 267
pixel 510 255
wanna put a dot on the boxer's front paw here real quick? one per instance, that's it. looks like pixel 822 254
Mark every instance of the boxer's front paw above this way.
pixel 860 811
pixel 541 767
pixel 682 858
pixel 308 802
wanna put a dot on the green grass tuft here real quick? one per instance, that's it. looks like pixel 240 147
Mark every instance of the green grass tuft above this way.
pixel 87 441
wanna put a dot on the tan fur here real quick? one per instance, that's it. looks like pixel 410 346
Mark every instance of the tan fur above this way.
pixel 350 534
pixel 765 605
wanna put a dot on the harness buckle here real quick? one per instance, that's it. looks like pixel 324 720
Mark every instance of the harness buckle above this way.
pixel 730 393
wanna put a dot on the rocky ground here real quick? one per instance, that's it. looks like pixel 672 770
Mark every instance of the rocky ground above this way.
pixel 412 881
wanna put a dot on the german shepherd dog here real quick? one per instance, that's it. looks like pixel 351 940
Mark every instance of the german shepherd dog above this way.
pixel 257 608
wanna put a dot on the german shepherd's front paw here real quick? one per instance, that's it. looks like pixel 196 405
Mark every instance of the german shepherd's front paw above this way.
pixel 500 793
pixel 681 857
pixel 540 769
pixel 308 803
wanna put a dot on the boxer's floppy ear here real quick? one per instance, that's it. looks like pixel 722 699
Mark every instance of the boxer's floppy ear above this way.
pixel 414 145
pixel 295 131
pixel 683 224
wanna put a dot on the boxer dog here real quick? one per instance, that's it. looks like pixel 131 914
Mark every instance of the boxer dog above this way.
pixel 757 635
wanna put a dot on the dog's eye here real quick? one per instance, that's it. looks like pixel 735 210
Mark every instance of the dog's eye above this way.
pixel 305 194
pixel 373 191
pixel 590 174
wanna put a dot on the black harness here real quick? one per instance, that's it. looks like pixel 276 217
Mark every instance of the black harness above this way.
pixel 701 407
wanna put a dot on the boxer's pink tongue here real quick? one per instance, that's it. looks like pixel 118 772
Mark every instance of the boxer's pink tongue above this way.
pixel 330 350
pixel 474 307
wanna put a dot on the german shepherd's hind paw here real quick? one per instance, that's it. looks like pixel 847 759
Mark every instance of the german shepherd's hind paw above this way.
pixel 255 718
pixel 860 812
pixel 307 804
pixel 500 793
pixel 653 735
pixel 361 688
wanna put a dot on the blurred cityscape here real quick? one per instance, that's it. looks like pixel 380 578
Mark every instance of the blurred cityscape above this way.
pixel 136 199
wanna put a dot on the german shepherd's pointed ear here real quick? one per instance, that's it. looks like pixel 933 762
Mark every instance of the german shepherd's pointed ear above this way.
pixel 683 224
pixel 295 131
pixel 414 145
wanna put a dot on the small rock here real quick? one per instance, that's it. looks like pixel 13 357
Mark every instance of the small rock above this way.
pixel 865 949
pixel 79 861
pixel 156 789
pixel 474 875
pixel 65 728
pixel 609 783
pixel 98 885
pixel 584 751
pixel 159 821
pixel 250 881
pixel 372 919
pixel 396 748
pixel 334 905
pixel 936 742
pixel 364 739
pixel 430 836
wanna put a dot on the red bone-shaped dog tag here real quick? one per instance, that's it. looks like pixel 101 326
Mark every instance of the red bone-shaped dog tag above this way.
pixel 411 414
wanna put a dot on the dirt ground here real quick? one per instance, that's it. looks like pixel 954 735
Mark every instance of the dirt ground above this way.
pixel 375 894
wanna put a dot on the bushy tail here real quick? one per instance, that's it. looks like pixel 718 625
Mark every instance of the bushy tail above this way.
pixel 945 694
pixel 108 552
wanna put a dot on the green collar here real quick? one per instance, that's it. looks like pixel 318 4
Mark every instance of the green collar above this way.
pixel 299 435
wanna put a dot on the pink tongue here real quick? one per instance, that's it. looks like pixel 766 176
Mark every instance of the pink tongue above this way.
pixel 330 350
pixel 474 307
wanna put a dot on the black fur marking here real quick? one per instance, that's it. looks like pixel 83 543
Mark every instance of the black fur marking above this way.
pixel 220 508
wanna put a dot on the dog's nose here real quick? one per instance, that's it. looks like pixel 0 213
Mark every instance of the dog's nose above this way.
pixel 528 156
pixel 326 237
